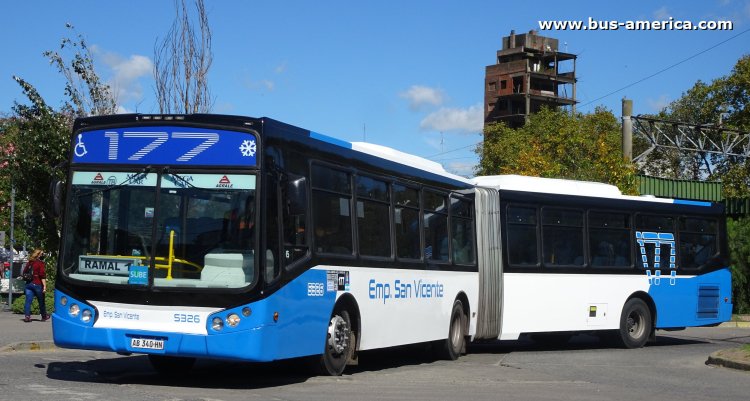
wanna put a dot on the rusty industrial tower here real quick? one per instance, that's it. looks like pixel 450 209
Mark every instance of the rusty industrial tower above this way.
pixel 530 73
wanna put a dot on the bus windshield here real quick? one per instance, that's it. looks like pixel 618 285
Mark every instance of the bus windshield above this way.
pixel 161 229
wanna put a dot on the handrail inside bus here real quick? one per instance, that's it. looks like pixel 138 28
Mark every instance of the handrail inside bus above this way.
pixel 171 254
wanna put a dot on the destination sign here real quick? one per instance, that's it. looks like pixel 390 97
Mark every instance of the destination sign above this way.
pixel 166 145
pixel 98 264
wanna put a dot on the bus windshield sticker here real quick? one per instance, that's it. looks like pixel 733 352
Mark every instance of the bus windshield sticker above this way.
pixel 112 179
pixel 209 181
pixel 166 145
pixel 138 274
pixel 337 280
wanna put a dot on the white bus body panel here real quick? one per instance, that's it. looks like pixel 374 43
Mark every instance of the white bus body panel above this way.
pixel 396 308
pixel 538 302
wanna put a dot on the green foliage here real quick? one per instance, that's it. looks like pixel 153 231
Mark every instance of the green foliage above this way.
pixel 722 103
pixel 35 141
pixel 738 232
pixel 40 139
pixel 557 144
pixel 49 302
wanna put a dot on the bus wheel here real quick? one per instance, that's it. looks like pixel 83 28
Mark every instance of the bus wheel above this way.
pixel 635 324
pixel 171 366
pixel 455 344
pixel 340 343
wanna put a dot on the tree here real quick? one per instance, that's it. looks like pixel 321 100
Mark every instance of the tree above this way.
pixel 86 94
pixel 738 232
pixel 39 137
pixel 36 140
pixel 722 103
pixel 181 63
pixel 558 144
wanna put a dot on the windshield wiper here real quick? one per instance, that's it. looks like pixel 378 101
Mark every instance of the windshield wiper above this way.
pixel 178 180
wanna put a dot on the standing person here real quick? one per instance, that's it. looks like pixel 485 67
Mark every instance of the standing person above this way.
pixel 36 286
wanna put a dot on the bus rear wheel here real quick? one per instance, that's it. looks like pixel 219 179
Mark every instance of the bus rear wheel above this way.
pixel 455 344
pixel 340 342
pixel 635 324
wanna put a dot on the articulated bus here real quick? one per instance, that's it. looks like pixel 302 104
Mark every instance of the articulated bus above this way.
pixel 237 238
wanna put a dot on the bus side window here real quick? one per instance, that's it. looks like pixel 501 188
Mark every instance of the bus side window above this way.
pixel 462 231
pixel 698 241
pixel 610 239
pixel 522 236
pixel 332 194
pixel 435 226
pixel 294 203
pixel 562 236
pixel 272 230
pixel 660 224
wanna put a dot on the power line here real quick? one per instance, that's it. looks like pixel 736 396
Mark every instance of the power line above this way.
pixel 454 158
pixel 452 150
pixel 621 89
pixel 666 69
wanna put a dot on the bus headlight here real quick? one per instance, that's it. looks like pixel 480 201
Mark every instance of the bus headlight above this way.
pixel 233 320
pixel 217 324
pixel 64 301
pixel 73 310
pixel 246 312
pixel 86 315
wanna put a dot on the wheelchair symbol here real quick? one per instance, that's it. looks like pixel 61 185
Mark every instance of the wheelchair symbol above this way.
pixel 80 149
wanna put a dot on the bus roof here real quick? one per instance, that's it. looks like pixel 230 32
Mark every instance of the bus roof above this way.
pixel 569 187
pixel 392 155
pixel 548 185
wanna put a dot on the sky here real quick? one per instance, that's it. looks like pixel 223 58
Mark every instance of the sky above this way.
pixel 403 74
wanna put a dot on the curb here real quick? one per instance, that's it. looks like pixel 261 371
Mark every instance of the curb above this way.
pixel 718 360
pixel 734 323
pixel 30 346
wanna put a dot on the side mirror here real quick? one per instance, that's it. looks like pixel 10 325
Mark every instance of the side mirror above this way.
pixel 296 192
pixel 56 197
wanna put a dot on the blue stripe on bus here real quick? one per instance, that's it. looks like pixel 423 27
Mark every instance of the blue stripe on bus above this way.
pixel 303 314
pixel 331 140
pixel 693 301
pixel 691 202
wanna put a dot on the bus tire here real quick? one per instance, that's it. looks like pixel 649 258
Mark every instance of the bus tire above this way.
pixel 455 344
pixel 635 324
pixel 339 346
pixel 171 366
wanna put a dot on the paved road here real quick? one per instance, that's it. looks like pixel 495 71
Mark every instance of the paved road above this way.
pixel 673 368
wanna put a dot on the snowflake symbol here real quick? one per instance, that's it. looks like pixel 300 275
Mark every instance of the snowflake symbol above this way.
pixel 248 148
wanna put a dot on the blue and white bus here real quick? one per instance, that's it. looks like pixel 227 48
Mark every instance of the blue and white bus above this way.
pixel 582 257
pixel 250 239
pixel 207 236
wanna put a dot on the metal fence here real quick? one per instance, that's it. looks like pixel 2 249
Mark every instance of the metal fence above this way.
pixel 693 190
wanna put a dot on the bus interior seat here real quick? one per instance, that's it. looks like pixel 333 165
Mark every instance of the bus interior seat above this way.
pixel 231 269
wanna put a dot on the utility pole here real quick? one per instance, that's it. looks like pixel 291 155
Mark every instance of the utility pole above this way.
pixel 627 129
pixel 12 243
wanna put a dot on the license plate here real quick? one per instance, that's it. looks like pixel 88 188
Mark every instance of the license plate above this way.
pixel 147 343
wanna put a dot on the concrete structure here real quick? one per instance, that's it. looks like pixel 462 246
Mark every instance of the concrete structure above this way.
pixel 530 73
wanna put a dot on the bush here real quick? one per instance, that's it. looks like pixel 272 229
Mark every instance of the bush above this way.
pixel 738 232
pixel 49 300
